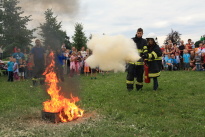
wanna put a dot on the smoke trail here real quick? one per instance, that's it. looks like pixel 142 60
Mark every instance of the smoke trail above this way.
pixel 111 52
pixel 66 10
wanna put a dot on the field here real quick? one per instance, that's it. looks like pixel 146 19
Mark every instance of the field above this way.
pixel 176 109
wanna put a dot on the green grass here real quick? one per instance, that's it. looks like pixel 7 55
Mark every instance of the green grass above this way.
pixel 176 109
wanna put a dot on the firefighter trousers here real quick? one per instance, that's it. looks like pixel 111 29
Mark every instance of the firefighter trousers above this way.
pixel 135 71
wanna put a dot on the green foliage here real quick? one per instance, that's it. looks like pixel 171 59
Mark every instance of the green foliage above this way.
pixel 51 31
pixel 79 38
pixel 176 109
pixel 174 36
pixel 14 30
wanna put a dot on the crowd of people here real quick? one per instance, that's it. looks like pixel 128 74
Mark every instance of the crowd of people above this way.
pixel 183 56
pixel 70 62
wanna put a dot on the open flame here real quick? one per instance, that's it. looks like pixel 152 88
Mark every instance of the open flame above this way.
pixel 66 108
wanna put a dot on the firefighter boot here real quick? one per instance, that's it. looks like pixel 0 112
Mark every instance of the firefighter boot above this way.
pixel 155 86
pixel 129 87
pixel 139 87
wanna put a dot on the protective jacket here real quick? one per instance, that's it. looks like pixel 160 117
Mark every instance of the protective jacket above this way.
pixel 136 69
pixel 154 60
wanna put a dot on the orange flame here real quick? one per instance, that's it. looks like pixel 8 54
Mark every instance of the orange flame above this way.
pixel 66 108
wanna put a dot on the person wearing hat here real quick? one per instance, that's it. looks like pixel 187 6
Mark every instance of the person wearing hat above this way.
pixel 153 58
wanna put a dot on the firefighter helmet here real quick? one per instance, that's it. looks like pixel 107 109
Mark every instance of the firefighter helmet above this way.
pixel 152 36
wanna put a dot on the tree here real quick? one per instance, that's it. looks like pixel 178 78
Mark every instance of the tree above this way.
pixel 14 27
pixel 174 36
pixel 51 31
pixel 79 38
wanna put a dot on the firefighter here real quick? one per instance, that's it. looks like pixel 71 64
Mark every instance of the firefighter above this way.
pixel 153 58
pixel 136 69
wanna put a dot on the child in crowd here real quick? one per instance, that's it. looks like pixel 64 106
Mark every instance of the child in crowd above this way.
pixel 203 62
pixel 16 70
pixel 174 62
pixel 178 59
pixel 73 60
pixel 29 68
pixel 186 60
pixel 198 62
pixel 169 63
pixel 10 69
pixel 21 67
pixel 86 67
pixel 78 62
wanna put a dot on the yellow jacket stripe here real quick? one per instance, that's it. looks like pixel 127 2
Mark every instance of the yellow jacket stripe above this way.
pixel 137 63
pixel 154 54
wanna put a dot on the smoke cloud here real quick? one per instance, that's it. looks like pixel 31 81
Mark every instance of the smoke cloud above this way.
pixel 66 10
pixel 111 52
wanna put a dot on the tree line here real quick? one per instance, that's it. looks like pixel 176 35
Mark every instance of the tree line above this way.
pixel 15 33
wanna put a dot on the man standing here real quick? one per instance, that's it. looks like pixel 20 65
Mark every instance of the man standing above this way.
pixel 136 69
pixel 38 57
pixel 18 55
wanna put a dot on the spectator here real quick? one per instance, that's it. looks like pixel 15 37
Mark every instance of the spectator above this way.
pixel 198 62
pixel 181 47
pixel 18 55
pixel 83 52
pixel 169 63
pixel 86 67
pixel 192 60
pixel 73 59
pixel 186 60
pixel 29 68
pixel 21 67
pixel 199 49
pixel 174 62
pixel 178 59
pixel 189 46
pixel 59 64
pixel 16 70
pixel 15 49
pixel 79 62
pixel 66 61
pixel 10 69
pixel 38 56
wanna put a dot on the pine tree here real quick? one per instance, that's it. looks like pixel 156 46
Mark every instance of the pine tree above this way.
pixel 51 31
pixel 79 38
pixel 14 27
pixel 174 36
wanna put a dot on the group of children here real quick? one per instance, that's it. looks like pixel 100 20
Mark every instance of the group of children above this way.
pixel 18 70
pixel 186 59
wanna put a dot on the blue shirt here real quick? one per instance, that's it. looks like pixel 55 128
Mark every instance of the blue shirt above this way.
pixel 38 53
pixel 186 58
pixel 169 60
pixel 18 55
pixel 10 66
pixel 174 61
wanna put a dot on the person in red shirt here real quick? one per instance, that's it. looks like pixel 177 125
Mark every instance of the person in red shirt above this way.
pixel 189 46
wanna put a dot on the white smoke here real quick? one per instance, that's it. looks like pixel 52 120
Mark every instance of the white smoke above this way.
pixel 111 52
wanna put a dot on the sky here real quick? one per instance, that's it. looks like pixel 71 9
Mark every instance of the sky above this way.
pixel 124 17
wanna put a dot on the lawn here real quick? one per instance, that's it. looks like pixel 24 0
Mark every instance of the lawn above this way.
pixel 176 109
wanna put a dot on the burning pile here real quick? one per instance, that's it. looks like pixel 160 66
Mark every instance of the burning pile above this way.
pixel 64 107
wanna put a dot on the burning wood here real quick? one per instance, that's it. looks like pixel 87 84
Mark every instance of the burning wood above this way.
pixel 58 106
